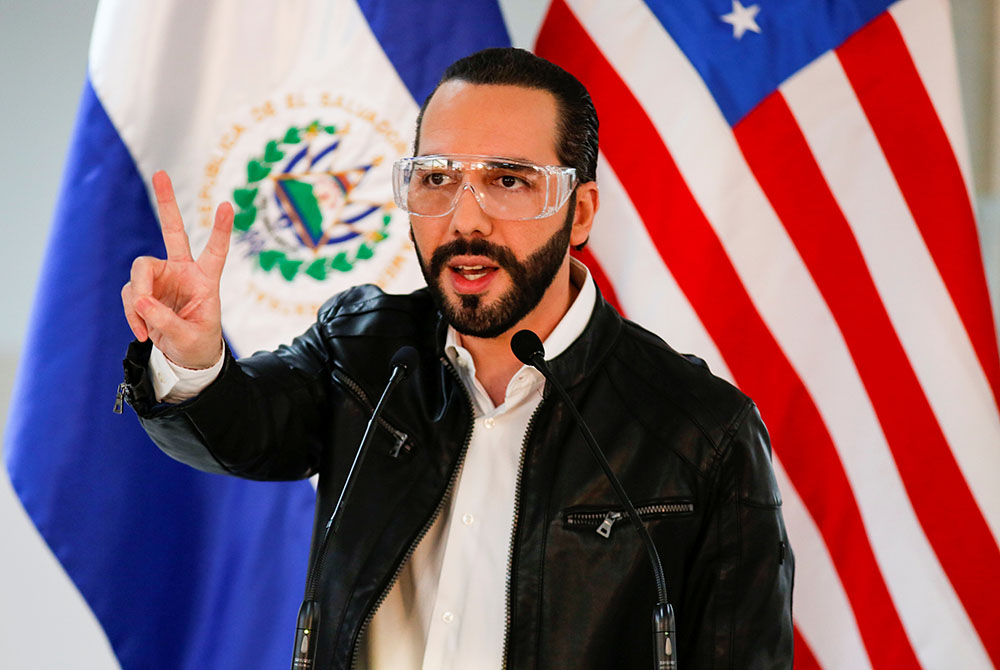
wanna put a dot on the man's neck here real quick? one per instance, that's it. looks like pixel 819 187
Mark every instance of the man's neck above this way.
pixel 495 363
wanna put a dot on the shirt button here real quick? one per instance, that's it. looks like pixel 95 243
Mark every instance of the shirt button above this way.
pixel 468 519
pixel 447 617
pixel 489 422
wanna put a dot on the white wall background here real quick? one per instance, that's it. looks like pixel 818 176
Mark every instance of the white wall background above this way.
pixel 43 50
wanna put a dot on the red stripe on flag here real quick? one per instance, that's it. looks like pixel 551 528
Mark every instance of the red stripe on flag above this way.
pixel 804 658
pixel 688 244
pixel 914 142
pixel 601 277
pixel 779 156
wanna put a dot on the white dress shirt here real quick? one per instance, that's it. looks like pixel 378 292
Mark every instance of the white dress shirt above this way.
pixel 447 608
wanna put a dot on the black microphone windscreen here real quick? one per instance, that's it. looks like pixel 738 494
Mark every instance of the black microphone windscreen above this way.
pixel 526 345
pixel 407 358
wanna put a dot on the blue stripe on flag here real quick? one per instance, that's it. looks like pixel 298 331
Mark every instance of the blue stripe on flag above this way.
pixel 183 569
pixel 421 39
pixel 742 72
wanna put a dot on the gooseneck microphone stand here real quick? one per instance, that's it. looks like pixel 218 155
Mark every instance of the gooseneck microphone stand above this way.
pixel 529 350
pixel 307 626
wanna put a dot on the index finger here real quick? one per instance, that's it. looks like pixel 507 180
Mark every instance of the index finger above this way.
pixel 174 237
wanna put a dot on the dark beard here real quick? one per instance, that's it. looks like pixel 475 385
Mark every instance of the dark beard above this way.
pixel 529 281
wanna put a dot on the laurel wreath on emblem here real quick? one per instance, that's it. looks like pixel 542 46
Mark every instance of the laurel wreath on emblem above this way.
pixel 246 200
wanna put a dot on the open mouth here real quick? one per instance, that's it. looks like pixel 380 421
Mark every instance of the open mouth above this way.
pixel 472 277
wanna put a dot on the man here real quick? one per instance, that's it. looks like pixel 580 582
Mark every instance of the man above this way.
pixel 470 539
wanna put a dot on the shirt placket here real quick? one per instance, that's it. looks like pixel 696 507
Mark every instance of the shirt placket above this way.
pixel 481 515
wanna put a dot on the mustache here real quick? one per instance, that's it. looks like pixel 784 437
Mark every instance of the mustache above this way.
pixel 500 255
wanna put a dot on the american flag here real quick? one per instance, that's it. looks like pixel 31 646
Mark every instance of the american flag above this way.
pixel 785 191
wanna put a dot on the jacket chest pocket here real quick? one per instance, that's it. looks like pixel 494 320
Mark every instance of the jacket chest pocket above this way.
pixel 401 443
pixel 604 520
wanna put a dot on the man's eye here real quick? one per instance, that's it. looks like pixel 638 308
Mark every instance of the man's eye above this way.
pixel 510 181
pixel 435 179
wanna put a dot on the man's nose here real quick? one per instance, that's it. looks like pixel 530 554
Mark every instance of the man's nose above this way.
pixel 469 217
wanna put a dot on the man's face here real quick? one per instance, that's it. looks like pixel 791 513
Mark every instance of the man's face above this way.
pixel 487 274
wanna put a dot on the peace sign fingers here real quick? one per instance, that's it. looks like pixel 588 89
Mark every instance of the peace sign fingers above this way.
pixel 174 237
pixel 175 302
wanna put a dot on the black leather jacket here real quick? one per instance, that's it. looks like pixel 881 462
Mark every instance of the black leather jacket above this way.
pixel 689 448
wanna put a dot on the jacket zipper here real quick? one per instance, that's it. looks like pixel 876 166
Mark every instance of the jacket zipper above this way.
pixel 124 393
pixel 603 521
pixel 437 511
pixel 401 438
pixel 513 531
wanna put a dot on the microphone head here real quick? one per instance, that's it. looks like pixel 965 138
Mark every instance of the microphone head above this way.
pixel 406 359
pixel 526 345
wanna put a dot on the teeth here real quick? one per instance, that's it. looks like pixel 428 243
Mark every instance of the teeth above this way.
pixel 472 272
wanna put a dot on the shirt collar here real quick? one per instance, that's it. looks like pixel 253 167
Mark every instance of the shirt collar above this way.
pixel 575 320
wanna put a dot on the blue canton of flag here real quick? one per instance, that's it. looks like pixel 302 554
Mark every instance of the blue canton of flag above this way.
pixel 741 69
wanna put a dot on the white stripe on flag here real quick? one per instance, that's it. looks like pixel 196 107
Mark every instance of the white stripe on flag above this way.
pixel 133 90
pixel 645 287
pixel 822 611
pixel 932 614
pixel 924 25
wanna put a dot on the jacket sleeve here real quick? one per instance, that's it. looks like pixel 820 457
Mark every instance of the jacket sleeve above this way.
pixel 262 417
pixel 740 592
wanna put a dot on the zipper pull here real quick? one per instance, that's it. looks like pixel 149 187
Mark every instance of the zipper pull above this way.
pixel 119 399
pixel 604 530
pixel 399 447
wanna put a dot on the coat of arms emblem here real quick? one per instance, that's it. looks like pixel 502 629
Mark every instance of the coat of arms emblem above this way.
pixel 299 202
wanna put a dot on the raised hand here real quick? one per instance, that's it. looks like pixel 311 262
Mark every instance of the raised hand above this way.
pixel 175 302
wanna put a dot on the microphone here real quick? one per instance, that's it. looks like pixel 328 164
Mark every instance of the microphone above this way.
pixel 529 350
pixel 404 362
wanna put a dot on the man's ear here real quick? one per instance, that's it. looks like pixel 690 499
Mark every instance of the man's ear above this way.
pixel 588 200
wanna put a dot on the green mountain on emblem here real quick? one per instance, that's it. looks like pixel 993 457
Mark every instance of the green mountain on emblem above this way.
pixel 314 203
pixel 305 204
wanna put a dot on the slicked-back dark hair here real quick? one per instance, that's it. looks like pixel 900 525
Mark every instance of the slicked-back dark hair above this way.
pixel 576 142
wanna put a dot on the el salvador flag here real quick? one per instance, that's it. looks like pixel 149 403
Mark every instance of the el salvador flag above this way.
pixel 295 111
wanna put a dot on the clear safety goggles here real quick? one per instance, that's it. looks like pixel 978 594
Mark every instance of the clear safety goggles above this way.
pixel 504 188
